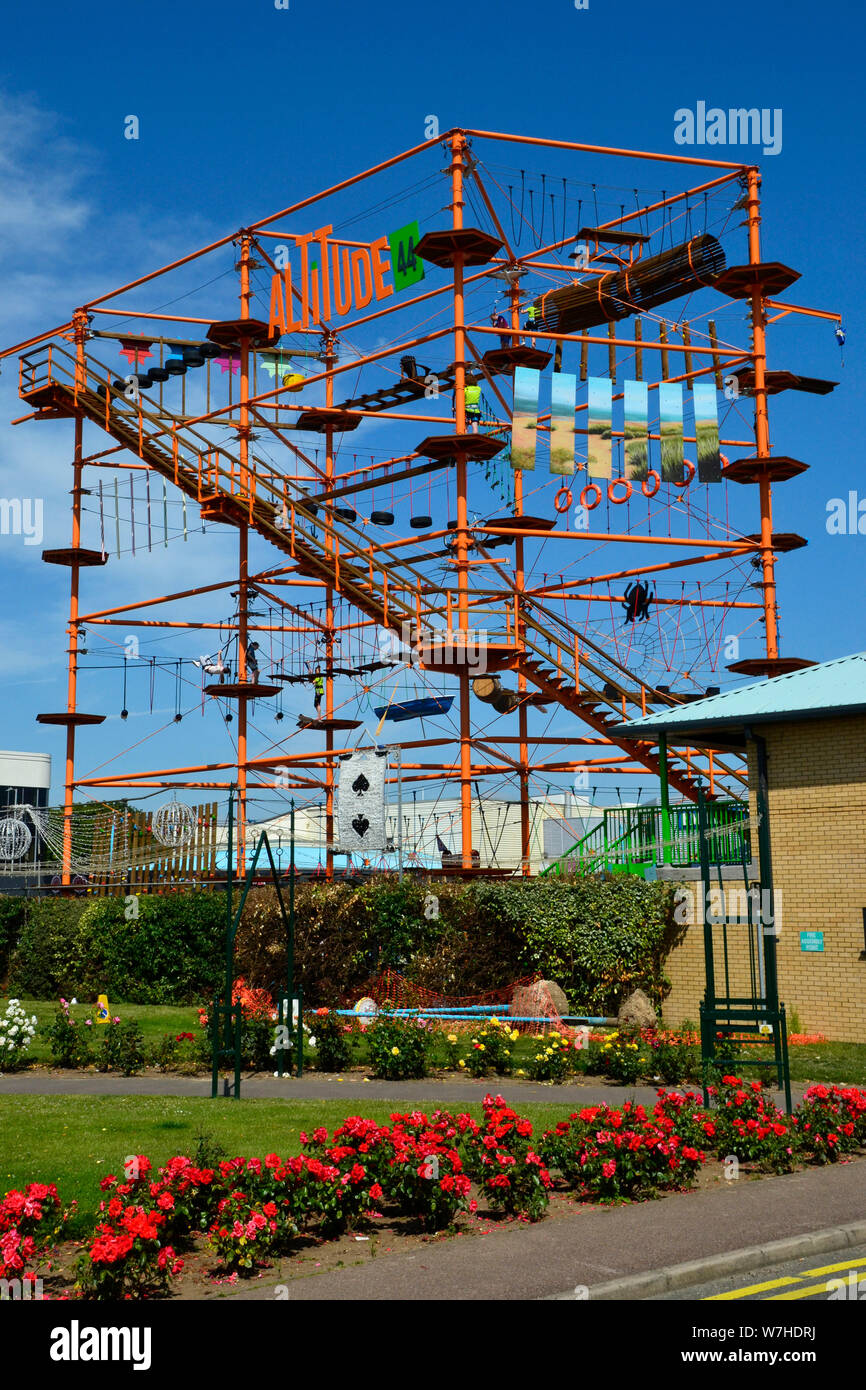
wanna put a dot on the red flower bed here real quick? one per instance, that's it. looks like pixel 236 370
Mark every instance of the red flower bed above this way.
pixel 421 1166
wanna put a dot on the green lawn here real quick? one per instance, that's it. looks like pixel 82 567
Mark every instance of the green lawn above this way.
pixel 155 1020
pixel 76 1140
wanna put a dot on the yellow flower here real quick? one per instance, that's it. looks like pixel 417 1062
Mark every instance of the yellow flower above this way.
pixel 506 1053
pixel 521 1072
pixel 461 1063
pixel 495 1022
pixel 395 1052
pixel 514 1035
pixel 481 1047
pixel 452 1037
pixel 554 1035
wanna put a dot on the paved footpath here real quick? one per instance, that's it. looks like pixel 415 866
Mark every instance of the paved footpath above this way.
pixel 596 1246
pixel 425 1094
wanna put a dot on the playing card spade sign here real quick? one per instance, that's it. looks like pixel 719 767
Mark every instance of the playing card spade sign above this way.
pixel 361 804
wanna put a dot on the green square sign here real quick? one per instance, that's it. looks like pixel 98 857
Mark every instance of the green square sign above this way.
pixel 407 268
pixel 811 941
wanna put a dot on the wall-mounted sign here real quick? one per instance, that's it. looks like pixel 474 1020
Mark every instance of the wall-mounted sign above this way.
pixel 811 941
pixel 331 278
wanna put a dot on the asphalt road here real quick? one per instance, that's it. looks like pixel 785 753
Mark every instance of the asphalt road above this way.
pixel 834 1275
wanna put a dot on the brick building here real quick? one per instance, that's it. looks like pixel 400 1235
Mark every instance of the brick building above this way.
pixel 810 726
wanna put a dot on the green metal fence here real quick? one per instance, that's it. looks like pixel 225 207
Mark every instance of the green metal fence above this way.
pixel 632 839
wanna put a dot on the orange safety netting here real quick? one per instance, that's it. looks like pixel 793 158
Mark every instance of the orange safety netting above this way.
pixel 523 999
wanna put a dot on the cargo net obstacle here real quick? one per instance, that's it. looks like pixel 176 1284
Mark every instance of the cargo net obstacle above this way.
pixel 110 849
pixel 530 1005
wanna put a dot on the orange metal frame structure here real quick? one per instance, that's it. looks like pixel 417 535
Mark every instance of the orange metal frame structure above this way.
pixel 549 657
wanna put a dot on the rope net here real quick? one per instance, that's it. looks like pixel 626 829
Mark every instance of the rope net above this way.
pixel 527 1003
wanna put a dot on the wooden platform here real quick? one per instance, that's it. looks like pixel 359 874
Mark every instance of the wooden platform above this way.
pixel 246 690
pixel 779 469
pixel 70 720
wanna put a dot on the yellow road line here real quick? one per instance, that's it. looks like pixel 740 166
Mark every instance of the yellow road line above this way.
pixel 752 1288
pixel 798 1293
pixel 832 1269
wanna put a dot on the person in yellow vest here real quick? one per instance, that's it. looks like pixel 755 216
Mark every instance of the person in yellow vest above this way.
pixel 318 692
pixel 472 399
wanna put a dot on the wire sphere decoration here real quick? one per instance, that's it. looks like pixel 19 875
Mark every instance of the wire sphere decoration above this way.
pixel 15 838
pixel 173 823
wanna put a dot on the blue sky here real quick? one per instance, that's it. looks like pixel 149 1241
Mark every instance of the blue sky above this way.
pixel 244 108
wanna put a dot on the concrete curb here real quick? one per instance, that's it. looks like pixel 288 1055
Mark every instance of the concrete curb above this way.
pixel 659 1281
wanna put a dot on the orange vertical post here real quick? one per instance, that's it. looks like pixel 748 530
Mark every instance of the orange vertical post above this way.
pixel 80 331
pixel 243 556
pixel 457 144
pixel 519 586
pixel 762 423
pixel 330 359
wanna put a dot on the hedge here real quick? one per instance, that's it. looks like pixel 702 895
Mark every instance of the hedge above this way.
pixel 170 953
pixel 598 938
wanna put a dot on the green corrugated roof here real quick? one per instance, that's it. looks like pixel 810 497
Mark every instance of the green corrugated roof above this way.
pixel 817 692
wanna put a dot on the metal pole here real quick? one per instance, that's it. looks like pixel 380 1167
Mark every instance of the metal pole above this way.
pixel 290 944
pixel 398 753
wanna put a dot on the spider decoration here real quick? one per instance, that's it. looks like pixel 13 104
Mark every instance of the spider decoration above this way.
pixel 636 603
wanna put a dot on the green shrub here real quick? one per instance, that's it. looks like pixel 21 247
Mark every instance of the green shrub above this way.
pixel 122 1047
pixel 333 1045
pixel 489 1050
pixel 46 961
pixel 552 1058
pixel 399 1047
pixel 70 1041
pixel 673 1062
pixel 599 938
pixel 12 914
pixel 169 953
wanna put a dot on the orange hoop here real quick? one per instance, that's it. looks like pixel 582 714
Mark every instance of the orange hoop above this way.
pixel 565 495
pixel 615 483
pixel 690 467
pixel 643 487
pixel 584 496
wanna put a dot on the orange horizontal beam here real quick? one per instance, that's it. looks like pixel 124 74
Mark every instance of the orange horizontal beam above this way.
pixel 604 149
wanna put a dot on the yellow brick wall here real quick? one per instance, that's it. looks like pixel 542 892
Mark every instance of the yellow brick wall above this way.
pixel 817 804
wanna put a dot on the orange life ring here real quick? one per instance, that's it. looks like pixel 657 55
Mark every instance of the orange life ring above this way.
pixel 565 494
pixel 615 483
pixel 584 502
pixel 689 475
pixel 643 487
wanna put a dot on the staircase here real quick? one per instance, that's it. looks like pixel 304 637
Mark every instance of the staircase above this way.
pixel 539 645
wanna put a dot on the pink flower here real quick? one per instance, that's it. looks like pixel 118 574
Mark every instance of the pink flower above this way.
pixel 609 1168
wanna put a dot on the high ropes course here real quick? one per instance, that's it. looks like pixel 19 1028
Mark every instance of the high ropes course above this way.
pixel 490 445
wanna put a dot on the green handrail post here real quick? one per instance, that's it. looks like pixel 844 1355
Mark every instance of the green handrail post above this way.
pixel 238 1012
pixel 300 1038
pixel 664 791
pixel 214 1030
